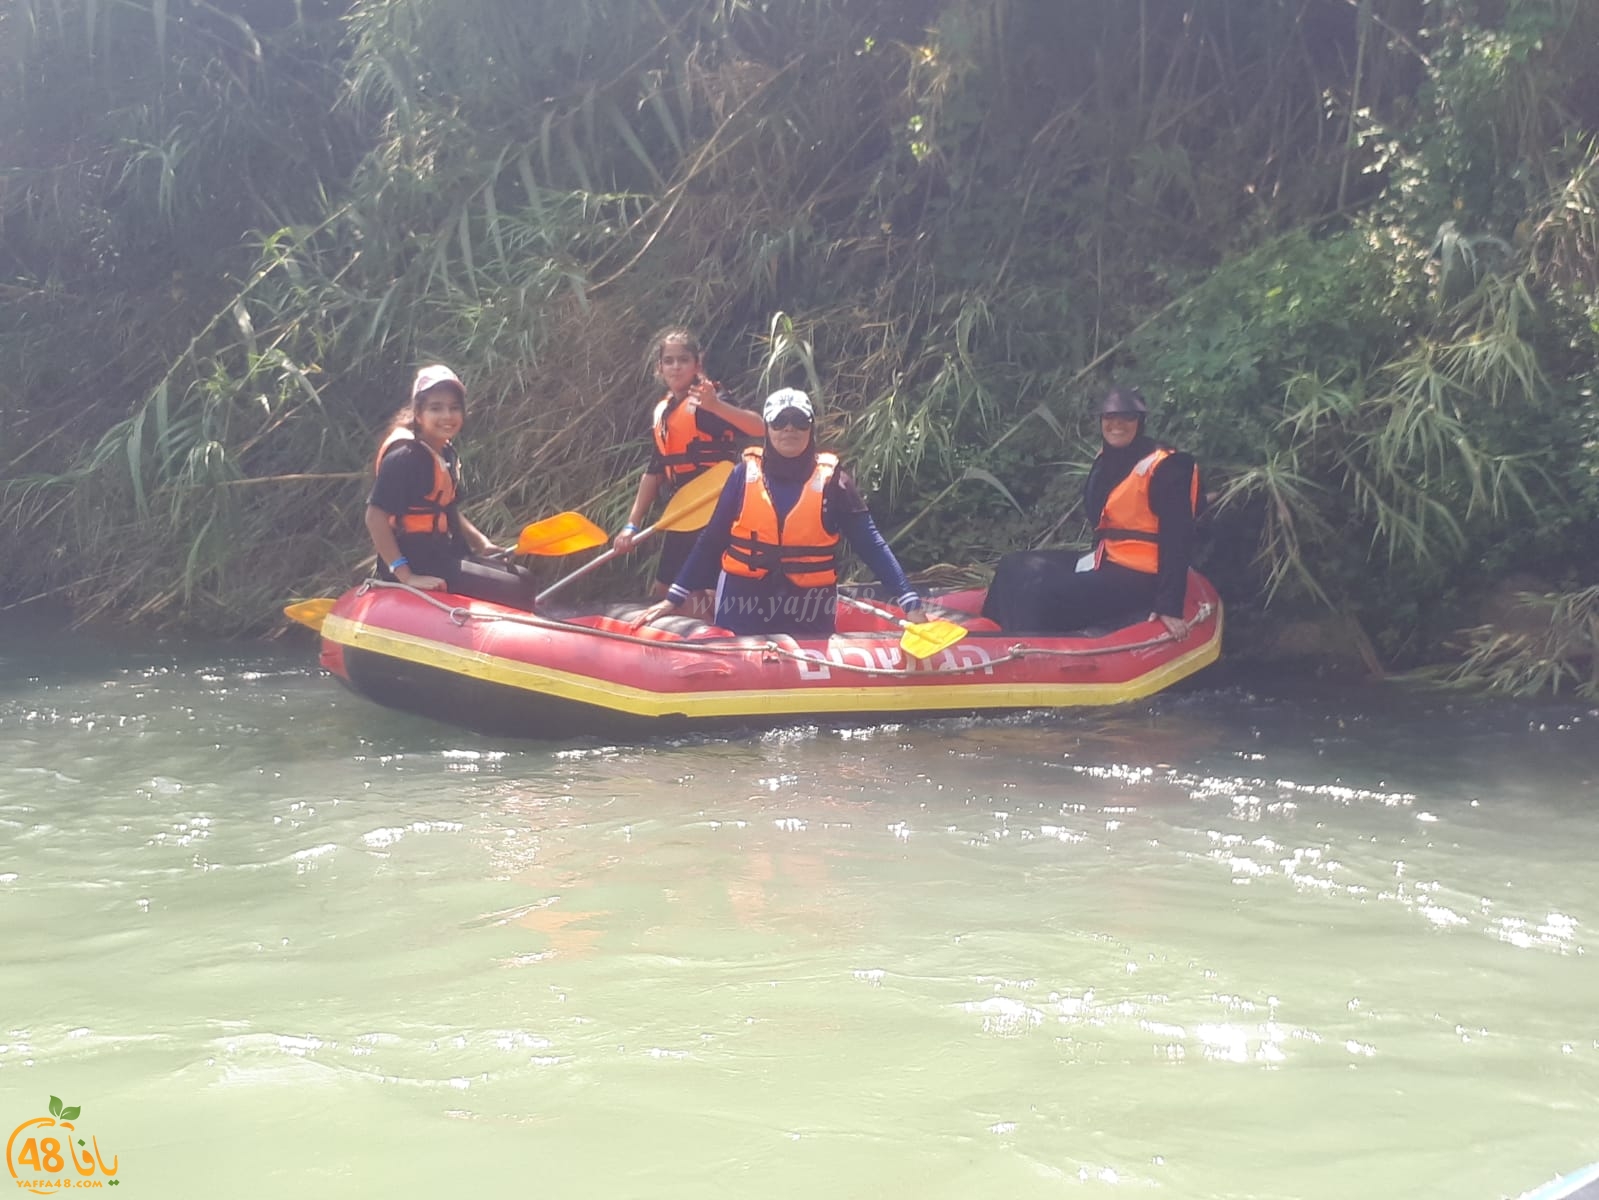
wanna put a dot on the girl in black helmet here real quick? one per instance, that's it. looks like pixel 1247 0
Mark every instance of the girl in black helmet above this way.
pixel 1142 499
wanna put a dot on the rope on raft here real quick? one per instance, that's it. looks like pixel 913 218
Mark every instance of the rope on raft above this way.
pixel 1019 650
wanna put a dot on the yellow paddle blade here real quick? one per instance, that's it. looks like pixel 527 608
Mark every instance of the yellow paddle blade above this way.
pixel 691 506
pixel 311 613
pixel 929 637
pixel 564 533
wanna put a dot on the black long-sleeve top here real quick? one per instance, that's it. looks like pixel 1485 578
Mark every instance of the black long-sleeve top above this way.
pixel 1169 498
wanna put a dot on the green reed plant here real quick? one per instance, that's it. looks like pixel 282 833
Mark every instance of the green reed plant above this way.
pixel 1350 279
pixel 1560 653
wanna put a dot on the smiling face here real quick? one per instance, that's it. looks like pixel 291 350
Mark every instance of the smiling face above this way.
pixel 440 413
pixel 679 366
pixel 1118 429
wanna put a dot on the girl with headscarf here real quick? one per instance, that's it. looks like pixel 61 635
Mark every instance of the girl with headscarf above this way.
pixel 776 533
pixel 1142 499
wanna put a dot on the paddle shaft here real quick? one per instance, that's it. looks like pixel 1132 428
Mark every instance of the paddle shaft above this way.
pixel 681 514
pixel 875 611
pixel 597 560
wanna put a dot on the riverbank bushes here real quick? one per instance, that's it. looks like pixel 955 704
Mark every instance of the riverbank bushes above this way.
pixel 1350 249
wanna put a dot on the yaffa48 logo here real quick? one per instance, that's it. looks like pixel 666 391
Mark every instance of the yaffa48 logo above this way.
pixel 48 1153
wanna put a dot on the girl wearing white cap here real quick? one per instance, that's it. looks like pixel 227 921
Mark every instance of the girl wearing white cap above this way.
pixel 413 514
pixel 776 533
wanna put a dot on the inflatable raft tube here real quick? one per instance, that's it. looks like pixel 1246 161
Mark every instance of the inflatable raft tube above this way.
pixel 548 674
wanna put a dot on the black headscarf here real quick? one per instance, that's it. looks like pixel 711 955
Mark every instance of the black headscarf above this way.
pixel 790 470
pixel 1110 468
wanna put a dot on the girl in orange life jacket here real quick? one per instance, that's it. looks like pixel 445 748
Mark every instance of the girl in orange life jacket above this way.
pixel 693 427
pixel 1142 499
pixel 775 535
pixel 413 514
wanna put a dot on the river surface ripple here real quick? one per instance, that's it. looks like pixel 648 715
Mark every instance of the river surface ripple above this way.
pixel 275 940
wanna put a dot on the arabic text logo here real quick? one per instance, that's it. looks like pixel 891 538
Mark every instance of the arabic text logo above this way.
pixel 49 1153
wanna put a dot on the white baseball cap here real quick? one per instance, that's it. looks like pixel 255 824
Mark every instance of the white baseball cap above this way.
pixel 432 376
pixel 786 398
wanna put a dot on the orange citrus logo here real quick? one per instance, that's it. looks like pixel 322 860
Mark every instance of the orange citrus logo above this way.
pixel 46 1154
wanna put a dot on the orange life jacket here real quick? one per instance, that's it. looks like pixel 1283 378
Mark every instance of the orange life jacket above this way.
pixel 685 449
pixel 798 545
pixel 430 513
pixel 1128 532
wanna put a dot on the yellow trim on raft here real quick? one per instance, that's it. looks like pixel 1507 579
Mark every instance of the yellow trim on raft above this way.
pixel 839 696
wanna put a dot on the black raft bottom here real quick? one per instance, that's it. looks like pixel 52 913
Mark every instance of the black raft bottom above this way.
pixel 492 708
pixel 504 711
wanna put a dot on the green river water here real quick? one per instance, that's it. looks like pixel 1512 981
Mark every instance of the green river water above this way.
pixel 273 940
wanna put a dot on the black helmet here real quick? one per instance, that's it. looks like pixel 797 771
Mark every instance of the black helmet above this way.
pixel 1124 402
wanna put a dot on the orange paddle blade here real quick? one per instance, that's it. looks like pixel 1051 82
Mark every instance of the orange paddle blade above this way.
pixel 564 533
pixel 310 613
pixel 691 506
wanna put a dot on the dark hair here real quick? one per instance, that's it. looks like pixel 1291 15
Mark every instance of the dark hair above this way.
pixel 405 417
pixel 672 333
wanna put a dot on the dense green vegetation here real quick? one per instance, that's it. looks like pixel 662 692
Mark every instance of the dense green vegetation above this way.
pixel 1350 247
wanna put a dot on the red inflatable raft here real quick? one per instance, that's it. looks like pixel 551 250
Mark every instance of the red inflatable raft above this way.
pixel 498 670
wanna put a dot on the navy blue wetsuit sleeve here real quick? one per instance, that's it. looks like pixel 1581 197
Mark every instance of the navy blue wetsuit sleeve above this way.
pixel 861 532
pixel 1170 493
pixel 713 538
pixel 845 510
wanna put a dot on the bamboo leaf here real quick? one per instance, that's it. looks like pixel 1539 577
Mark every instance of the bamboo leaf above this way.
pixel 546 137
pixel 631 141
pixel 241 317
pixel 163 424
pixel 371 337
pixel 298 373
pixel 238 23
pixel 464 235
pixel 1045 414
pixel 987 477
pixel 663 114
pixel 535 200
pixel 158 12
pixel 574 157
pixel 135 450
pixel 491 218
